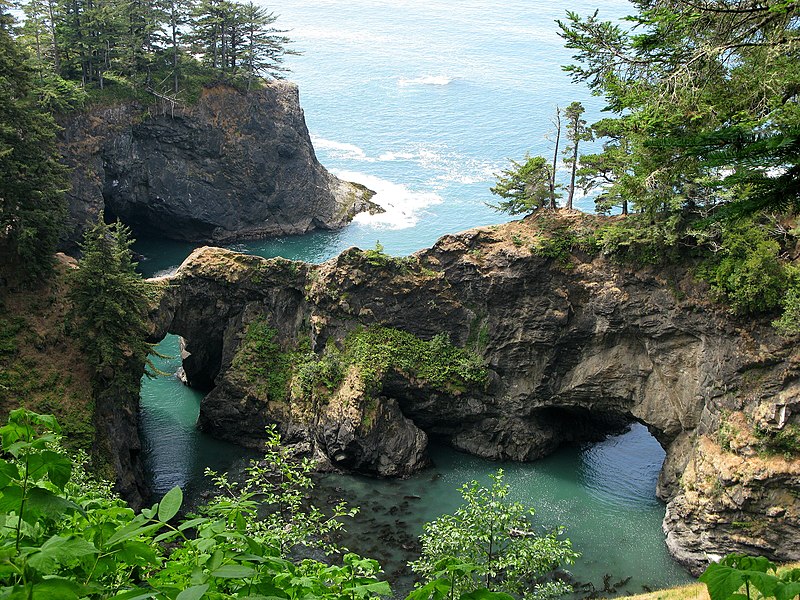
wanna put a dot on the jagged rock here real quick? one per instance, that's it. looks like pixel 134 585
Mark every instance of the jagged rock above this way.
pixel 573 351
pixel 234 166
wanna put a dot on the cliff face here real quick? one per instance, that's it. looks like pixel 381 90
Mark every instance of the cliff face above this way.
pixel 234 166
pixel 571 350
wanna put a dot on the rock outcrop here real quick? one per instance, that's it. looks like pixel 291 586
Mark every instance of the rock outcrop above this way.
pixel 233 166
pixel 572 349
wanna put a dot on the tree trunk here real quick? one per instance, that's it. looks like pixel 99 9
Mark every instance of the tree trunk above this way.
pixel 555 160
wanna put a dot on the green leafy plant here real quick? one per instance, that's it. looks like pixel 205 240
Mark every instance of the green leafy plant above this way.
pixel 65 536
pixel 726 579
pixel 490 544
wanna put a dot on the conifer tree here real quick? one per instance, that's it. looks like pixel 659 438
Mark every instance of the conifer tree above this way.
pixel 576 132
pixel 31 178
pixel 524 187
pixel 109 301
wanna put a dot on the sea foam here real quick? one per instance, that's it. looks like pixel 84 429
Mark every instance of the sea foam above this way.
pixel 402 205
pixel 426 80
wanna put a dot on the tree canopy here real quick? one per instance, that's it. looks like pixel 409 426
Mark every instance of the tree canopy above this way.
pixel 705 95
pixel 31 178
pixel 155 46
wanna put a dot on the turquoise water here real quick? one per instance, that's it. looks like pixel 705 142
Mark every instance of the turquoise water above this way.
pixel 604 494
pixel 424 101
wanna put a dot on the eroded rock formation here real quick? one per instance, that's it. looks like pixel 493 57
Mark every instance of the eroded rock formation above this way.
pixel 233 166
pixel 572 349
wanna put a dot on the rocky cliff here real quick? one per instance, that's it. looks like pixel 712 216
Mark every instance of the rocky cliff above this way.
pixel 233 166
pixel 504 353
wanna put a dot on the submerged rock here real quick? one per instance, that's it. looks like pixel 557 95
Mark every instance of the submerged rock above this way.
pixel 234 166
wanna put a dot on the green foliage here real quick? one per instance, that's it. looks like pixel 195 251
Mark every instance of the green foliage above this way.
pixel 263 362
pixel 31 178
pixel 158 48
pixel 726 579
pixel 746 271
pixel 67 537
pixel 640 240
pixel 524 187
pixel 379 350
pixel 558 245
pixel 576 132
pixel 110 302
pixel 376 351
pixel 789 321
pixel 489 543
pixel 704 97
pixel 376 256
pixel 785 441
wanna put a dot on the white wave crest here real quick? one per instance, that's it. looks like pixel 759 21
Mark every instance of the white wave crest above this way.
pixel 340 149
pixel 392 156
pixel 426 80
pixel 453 167
pixel 402 205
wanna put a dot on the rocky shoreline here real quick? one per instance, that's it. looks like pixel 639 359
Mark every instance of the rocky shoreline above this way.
pixel 571 350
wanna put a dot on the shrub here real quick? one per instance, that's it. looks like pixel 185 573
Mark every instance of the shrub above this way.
pixel 489 543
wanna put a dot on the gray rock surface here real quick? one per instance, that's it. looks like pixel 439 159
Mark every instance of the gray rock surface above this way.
pixel 234 166
pixel 574 350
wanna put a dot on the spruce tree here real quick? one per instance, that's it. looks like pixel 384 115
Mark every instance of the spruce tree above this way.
pixel 31 178
pixel 110 302
pixel 524 187
pixel 577 132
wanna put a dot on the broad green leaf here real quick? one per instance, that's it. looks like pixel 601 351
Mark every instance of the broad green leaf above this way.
pixel 170 504
pixel 192 523
pixel 8 473
pixel 10 500
pixel 138 553
pixel 59 468
pixel 787 591
pixel 48 421
pixel 233 572
pixel 722 581
pixel 44 502
pixel 167 535
pixel 59 550
pixel 380 588
pixel 130 531
pixel 57 588
pixel 193 593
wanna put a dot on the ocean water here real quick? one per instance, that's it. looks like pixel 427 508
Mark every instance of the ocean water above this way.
pixel 424 101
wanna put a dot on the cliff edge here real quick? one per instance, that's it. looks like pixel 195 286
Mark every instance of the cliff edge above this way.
pixel 505 353
pixel 234 166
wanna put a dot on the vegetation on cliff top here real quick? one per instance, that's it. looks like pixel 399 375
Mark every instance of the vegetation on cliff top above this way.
pixel 278 374
pixel 167 48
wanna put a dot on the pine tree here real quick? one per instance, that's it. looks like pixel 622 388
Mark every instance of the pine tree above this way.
pixel 524 187
pixel 31 178
pixel 110 302
pixel 576 132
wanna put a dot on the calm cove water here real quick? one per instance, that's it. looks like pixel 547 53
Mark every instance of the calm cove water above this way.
pixel 424 101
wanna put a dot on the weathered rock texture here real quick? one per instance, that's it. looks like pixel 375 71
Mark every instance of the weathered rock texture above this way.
pixel 234 166
pixel 573 350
